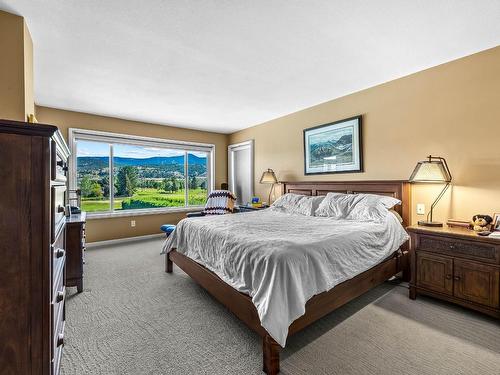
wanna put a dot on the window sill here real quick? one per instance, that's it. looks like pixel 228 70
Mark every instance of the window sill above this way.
pixel 140 212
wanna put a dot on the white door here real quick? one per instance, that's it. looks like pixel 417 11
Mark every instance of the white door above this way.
pixel 240 164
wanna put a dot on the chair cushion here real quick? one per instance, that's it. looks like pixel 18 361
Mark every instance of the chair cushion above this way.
pixel 167 228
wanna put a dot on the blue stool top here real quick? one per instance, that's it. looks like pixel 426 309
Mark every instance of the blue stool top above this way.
pixel 167 228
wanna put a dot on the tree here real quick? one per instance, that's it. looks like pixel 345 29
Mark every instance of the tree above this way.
pixel 193 183
pixel 167 185
pixel 127 181
pixel 174 184
pixel 180 184
pixel 90 188
pixel 86 186
pixel 104 182
pixel 203 185
pixel 96 191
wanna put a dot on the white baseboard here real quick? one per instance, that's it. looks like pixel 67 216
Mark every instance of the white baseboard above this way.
pixel 90 245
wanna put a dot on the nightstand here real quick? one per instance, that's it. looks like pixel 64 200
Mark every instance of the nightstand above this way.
pixel 456 265
pixel 251 208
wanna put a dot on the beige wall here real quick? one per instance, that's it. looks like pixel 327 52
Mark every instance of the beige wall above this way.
pixel 11 67
pixel 452 110
pixel 106 229
pixel 29 100
pixel 16 68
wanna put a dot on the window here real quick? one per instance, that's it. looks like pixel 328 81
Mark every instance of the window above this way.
pixel 120 174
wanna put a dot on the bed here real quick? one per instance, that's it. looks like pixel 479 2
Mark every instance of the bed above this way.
pixel 280 292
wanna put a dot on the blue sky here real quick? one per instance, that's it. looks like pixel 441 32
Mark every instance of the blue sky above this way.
pixel 88 148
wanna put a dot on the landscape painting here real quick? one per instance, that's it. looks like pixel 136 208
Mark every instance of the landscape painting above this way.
pixel 334 147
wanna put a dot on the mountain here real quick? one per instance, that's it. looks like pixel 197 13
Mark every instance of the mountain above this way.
pixel 340 147
pixel 102 161
pixel 344 140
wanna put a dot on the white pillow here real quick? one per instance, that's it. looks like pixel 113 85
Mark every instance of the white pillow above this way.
pixel 359 207
pixel 335 205
pixel 398 216
pixel 297 204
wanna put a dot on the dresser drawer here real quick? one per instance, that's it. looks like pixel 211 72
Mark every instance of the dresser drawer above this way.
pixel 460 248
pixel 58 344
pixel 59 164
pixel 58 327
pixel 58 259
pixel 56 363
pixel 58 299
pixel 57 211
pixel 58 302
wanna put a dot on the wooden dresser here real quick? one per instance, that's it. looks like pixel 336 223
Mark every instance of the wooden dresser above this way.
pixel 75 247
pixel 456 265
pixel 32 242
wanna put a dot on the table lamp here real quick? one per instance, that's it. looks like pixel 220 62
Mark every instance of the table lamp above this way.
pixel 432 170
pixel 268 177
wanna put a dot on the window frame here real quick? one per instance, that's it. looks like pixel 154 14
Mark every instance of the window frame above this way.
pixel 75 134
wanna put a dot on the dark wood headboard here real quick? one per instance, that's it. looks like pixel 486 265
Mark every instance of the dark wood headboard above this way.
pixel 396 189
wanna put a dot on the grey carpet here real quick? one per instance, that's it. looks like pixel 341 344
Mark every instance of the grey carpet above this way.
pixel 133 318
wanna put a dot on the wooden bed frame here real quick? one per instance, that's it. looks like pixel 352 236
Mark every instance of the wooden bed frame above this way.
pixel 322 304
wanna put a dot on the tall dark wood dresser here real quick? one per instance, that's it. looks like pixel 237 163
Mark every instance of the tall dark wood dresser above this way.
pixel 33 166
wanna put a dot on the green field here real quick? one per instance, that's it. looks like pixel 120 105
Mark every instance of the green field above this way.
pixel 147 198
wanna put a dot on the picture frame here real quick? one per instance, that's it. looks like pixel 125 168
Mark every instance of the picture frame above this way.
pixel 335 147
pixel 496 222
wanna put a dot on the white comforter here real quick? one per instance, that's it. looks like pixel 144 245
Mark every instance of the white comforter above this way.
pixel 282 260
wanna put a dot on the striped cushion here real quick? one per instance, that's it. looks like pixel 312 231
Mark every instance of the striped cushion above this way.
pixel 219 202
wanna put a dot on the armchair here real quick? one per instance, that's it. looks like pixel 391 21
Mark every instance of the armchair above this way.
pixel 219 202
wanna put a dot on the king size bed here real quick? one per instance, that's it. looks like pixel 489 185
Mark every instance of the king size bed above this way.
pixel 283 268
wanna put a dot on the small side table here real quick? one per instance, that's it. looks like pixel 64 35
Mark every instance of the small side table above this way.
pixel 250 208
pixel 75 247
pixel 456 265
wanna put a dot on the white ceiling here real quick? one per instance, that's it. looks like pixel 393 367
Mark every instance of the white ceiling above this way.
pixel 224 65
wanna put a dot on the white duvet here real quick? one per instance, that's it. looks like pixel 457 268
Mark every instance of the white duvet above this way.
pixel 282 260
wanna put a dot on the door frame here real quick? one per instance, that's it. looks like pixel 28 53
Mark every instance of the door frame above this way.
pixel 230 164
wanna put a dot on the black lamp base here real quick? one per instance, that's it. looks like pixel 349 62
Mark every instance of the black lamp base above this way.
pixel 430 223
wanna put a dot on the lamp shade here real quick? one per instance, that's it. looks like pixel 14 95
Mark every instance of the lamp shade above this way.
pixel 268 177
pixel 432 170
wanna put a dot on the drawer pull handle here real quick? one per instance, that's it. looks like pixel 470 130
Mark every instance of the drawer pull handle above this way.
pixel 59 253
pixel 456 278
pixel 59 296
pixel 60 339
pixel 63 165
pixel 448 277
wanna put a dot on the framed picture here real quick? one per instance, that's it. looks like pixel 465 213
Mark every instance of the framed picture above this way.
pixel 496 222
pixel 334 148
